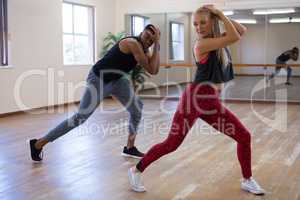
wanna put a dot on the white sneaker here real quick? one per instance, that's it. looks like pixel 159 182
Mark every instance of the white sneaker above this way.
pixel 252 186
pixel 135 180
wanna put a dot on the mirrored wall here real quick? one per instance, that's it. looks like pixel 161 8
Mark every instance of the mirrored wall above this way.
pixel 270 33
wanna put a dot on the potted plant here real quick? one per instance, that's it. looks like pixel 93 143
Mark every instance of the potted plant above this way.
pixel 110 40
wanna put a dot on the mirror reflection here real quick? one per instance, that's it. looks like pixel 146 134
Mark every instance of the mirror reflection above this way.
pixel 265 60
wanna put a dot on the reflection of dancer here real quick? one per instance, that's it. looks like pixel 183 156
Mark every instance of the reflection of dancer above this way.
pixel 201 98
pixel 106 79
pixel 282 59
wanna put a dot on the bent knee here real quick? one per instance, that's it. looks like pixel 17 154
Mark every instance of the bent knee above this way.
pixel 172 145
pixel 246 138
pixel 79 119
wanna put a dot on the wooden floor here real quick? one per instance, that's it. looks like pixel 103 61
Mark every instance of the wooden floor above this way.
pixel 87 163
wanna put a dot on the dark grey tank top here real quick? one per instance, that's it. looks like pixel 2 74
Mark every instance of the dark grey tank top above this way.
pixel 284 57
pixel 213 70
pixel 115 63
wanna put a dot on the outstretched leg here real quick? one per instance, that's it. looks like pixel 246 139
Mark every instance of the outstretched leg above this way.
pixel 94 93
pixel 183 121
pixel 277 70
pixel 226 122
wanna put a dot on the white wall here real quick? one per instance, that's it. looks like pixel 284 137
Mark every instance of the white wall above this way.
pixel 35 28
pixel 251 49
pixel 264 44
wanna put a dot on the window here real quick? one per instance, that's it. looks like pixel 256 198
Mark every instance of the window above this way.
pixel 78 34
pixel 3 33
pixel 138 23
pixel 177 41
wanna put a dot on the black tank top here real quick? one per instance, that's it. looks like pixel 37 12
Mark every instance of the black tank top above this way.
pixel 115 63
pixel 284 57
pixel 213 70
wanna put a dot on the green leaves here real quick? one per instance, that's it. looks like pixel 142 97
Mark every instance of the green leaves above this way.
pixel 110 40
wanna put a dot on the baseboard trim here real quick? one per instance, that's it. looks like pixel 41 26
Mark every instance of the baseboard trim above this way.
pixel 39 108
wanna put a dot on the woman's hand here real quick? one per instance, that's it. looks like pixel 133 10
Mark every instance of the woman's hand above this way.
pixel 213 10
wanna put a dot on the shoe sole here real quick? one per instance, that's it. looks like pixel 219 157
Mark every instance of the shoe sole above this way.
pixel 130 156
pixel 132 186
pixel 253 191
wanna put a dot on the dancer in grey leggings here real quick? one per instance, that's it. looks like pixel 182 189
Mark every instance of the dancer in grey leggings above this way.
pixel 107 78
pixel 282 59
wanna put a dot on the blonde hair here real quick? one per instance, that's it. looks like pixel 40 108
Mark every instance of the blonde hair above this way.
pixel 216 32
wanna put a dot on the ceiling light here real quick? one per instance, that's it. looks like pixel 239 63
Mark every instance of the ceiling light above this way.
pixel 284 20
pixel 273 11
pixel 279 20
pixel 246 21
pixel 228 12
pixel 295 20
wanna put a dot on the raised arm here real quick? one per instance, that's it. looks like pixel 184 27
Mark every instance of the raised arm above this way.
pixel 150 62
pixel 295 56
pixel 241 29
pixel 155 57
pixel 232 35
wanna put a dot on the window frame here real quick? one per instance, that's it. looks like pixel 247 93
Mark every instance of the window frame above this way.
pixel 146 21
pixel 171 41
pixel 92 30
pixel 4 58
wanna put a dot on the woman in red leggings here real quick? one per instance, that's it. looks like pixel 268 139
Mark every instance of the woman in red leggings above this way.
pixel 201 98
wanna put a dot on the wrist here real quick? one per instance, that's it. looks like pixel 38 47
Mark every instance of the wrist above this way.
pixel 157 46
pixel 221 16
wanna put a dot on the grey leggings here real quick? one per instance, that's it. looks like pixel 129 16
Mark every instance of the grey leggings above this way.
pixel 277 70
pixel 93 95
